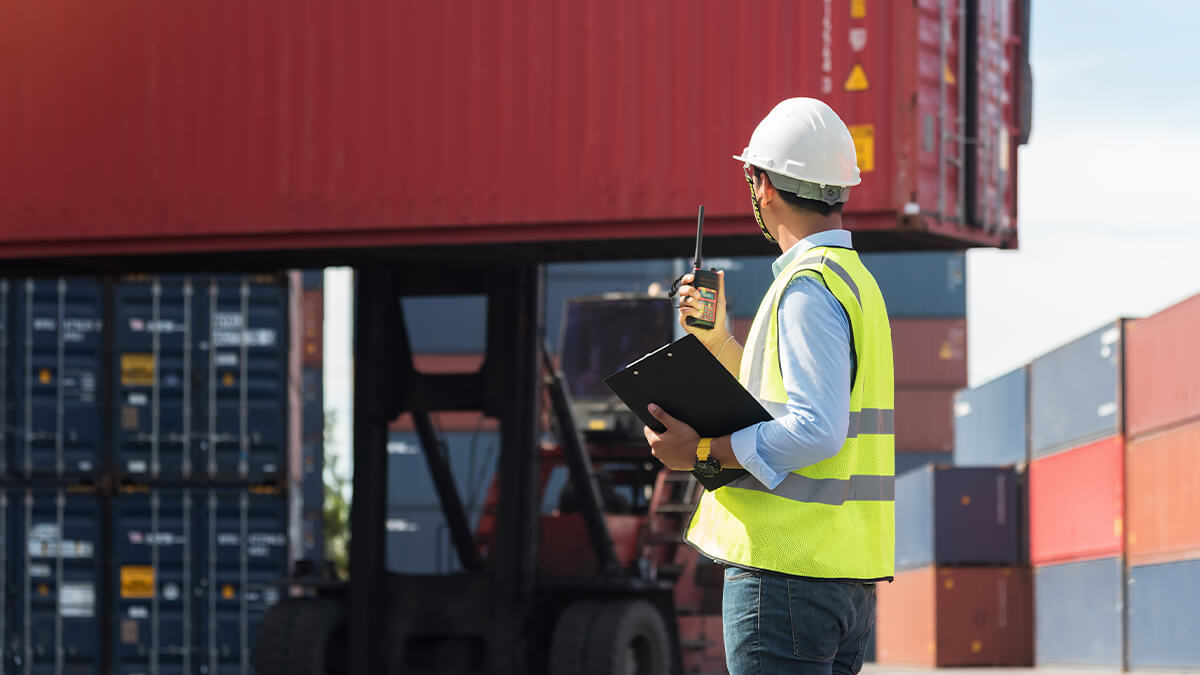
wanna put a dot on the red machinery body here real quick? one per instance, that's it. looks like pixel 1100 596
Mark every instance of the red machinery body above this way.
pixel 142 127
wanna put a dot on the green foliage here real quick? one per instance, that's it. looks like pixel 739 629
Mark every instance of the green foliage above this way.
pixel 336 509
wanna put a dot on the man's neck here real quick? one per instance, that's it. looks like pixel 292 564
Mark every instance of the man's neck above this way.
pixel 804 226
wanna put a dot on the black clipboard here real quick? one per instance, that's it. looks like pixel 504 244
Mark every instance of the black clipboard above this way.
pixel 687 381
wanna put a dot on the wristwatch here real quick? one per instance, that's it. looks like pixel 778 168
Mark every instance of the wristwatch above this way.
pixel 706 465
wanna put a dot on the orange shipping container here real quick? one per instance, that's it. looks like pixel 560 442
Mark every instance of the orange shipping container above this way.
pixel 1164 502
pixel 1162 378
pixel 956 616
pixel 1075 502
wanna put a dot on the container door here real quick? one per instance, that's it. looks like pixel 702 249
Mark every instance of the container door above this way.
pixel 58 578
pixel 246 554
pixel 153 583
pixel 245 377
pixel 154 376
pixel 55 369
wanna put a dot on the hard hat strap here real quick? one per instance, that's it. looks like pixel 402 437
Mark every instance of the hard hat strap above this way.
pixel 757 213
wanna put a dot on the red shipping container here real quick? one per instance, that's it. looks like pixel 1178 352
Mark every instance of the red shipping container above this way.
pixel 1164 502
pixel 1075 503
pixel 133 128
pixel 924 419
pixel 956 616
pixel 1162 376
pixel 930 352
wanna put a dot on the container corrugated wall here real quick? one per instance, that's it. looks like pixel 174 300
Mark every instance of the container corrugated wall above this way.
pixel 956 516
pixel 55 367
pixel 193 573
pixel 1163 623
pixel 1164 469
pixel 956 616
pixel 1074 394
pixel 1078 614
pixel 1164 365
pixel 1076 503
pixel 490 94
pixel 990 422
pixel 200 377
pixel 56 565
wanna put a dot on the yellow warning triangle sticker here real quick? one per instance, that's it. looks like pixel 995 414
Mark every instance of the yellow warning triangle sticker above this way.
pixel 857 80
pixel 948 74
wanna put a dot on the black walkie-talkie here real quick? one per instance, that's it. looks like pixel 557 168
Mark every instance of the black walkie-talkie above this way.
pixel 705 281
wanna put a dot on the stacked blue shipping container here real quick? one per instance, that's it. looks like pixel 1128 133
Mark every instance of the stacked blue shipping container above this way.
pixel 143 448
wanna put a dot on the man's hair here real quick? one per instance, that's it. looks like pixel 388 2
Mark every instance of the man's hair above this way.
pixel 790 198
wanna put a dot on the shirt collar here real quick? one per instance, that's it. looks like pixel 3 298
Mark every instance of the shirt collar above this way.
pixel 838 238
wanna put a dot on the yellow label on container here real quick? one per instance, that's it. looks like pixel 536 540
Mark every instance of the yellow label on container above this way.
pixel 966 500
pixel 227 592
pixel 949 584
pixel 137 582
pixel 44 376
pixel 976 646
pixel 857 81
pixel 137 370
pixel 858 9
pixel 864 145
pixel 228 379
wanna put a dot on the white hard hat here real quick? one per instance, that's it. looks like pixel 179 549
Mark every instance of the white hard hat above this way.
pixel 806 149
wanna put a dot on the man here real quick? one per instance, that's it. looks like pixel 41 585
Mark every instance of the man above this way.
pixel 809 531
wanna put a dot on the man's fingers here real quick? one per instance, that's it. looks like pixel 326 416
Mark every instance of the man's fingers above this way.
pixel 661 415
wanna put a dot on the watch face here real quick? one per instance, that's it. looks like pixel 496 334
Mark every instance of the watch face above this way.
pixel 708 467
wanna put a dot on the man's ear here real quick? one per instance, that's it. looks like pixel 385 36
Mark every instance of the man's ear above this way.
pixel 767 192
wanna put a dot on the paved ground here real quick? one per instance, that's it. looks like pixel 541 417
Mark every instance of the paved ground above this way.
pixel 873 669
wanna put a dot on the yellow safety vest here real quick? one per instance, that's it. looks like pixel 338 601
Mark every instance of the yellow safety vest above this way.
pixel 834 519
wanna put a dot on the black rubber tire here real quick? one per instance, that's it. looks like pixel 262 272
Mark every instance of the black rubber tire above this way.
pixel 628 637
pixel 571 633
pixel 295 637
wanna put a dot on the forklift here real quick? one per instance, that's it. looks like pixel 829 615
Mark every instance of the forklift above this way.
pixel 582 592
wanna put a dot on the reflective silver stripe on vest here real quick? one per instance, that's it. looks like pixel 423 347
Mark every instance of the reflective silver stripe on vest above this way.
pixel 829 491
pixel 871 421
pixel 837 269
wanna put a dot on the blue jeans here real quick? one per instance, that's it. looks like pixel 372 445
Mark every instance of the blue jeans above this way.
pixel 779 624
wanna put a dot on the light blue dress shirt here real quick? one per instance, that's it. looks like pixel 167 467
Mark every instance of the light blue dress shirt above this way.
pixel 816 359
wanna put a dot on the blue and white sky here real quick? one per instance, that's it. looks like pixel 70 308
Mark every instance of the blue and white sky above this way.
pixel 1107 223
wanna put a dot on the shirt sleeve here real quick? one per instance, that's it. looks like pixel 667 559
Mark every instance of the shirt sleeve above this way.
pixel 815 357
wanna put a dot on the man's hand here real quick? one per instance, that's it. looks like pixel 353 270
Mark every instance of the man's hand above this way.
pixel 675 447
pixel 689 297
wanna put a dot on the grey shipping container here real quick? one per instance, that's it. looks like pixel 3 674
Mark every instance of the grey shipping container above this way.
pixel 418 542
pixel 54 406
pixel 990 422
pixel 1074 394
pixel 472 456
pixel 910 461
pixel 193 574
pixel 446 324
pixel 1078 614
pixel 201 377
pixel 54 582
pixel 957 516
pixel 1163 623
pixel 926 284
